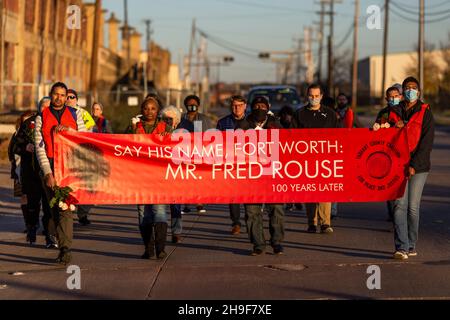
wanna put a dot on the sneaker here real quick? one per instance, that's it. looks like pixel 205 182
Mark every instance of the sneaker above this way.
pixel 236 230
pixel 201 209
pixel 64 257
pixel 161 255
pixel 50 242
pixel 185 210
pixel 176 238
pixel 84 221
pixel 412 253
pixel 278 249
pixel 257 252
pixel 400 255
pixel 326 229
pixel 312 229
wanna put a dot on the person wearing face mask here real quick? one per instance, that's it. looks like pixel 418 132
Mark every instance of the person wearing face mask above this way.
pixel 393 98
pixel 201 123
pixel 316 115
pixel 416 117
pixel 260 118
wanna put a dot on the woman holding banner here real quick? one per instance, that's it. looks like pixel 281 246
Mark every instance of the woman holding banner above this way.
pixel 152 217
pixel 416 116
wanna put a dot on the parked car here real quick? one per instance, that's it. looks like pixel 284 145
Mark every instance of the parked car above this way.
pixel 279 96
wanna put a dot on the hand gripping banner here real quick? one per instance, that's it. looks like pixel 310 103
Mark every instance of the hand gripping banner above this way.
pixel 254 166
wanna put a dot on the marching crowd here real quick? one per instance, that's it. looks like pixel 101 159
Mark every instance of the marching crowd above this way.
pixel 31 155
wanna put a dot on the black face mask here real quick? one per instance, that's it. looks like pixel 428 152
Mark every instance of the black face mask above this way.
pixel 259 115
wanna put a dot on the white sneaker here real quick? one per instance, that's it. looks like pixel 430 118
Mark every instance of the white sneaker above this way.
pixel 412 253
pixel 400 255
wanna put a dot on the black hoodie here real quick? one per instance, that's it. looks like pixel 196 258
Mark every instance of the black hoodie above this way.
pixel 420 158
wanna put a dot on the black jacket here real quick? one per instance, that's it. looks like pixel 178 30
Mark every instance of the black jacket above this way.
pixel 271 123
pixel 325 117
pixel 420 158
pixel 29 166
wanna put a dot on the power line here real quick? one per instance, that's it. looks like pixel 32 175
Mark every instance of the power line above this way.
pixel 264 6
pixel 428 7
pixel 415 13
pixel 409 19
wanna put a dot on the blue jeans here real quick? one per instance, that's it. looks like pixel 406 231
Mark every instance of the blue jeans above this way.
pixel 406 213
pixel 176 220
pixel 151 213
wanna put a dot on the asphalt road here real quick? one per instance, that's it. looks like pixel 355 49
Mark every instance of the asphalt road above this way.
pixel 210 263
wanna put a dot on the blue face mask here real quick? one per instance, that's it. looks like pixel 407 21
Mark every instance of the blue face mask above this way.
pixel 393 102
pixel 411 95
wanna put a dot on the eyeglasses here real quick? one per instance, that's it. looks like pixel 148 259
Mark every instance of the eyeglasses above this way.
pixel 71 97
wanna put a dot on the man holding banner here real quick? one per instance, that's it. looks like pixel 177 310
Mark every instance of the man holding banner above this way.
pixel 315 115
pixel 260 119
pixel 57 118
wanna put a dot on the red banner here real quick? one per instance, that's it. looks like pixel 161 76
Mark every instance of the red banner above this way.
pixel 254 166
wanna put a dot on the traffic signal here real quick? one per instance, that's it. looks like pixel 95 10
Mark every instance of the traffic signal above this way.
pixel 264 55
pixel 228 59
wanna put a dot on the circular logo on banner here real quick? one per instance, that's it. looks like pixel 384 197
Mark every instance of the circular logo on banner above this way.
pixel 379 165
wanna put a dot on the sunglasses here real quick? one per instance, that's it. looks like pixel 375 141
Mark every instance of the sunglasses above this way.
pixel 71 97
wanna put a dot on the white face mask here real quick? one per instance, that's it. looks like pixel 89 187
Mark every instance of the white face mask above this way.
pixel 314 102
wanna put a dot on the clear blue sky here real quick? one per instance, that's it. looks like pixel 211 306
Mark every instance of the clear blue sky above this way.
pixel 271 25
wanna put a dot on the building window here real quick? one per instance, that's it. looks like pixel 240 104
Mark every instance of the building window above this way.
pixel 12 6
pixel 30 6
pixel 62 6
pixel 42 14
pixel 9 60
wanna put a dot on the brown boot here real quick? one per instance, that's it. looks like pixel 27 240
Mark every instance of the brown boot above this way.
pixel 149 240
pixel 160 239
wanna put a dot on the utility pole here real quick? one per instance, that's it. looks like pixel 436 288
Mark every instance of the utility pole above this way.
pixel 187 71
pixel 95 47
pixel 149 33
pixel 421 43
pixel 330 51
pixel 127 33
pixel 309 76
pixel 385 48
pixel 321 31
pixel 355 58
pixel 2 54
pixel 298 70
pixel 331 48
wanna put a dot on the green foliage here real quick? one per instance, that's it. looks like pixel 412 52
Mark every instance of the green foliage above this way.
pixel 61 194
